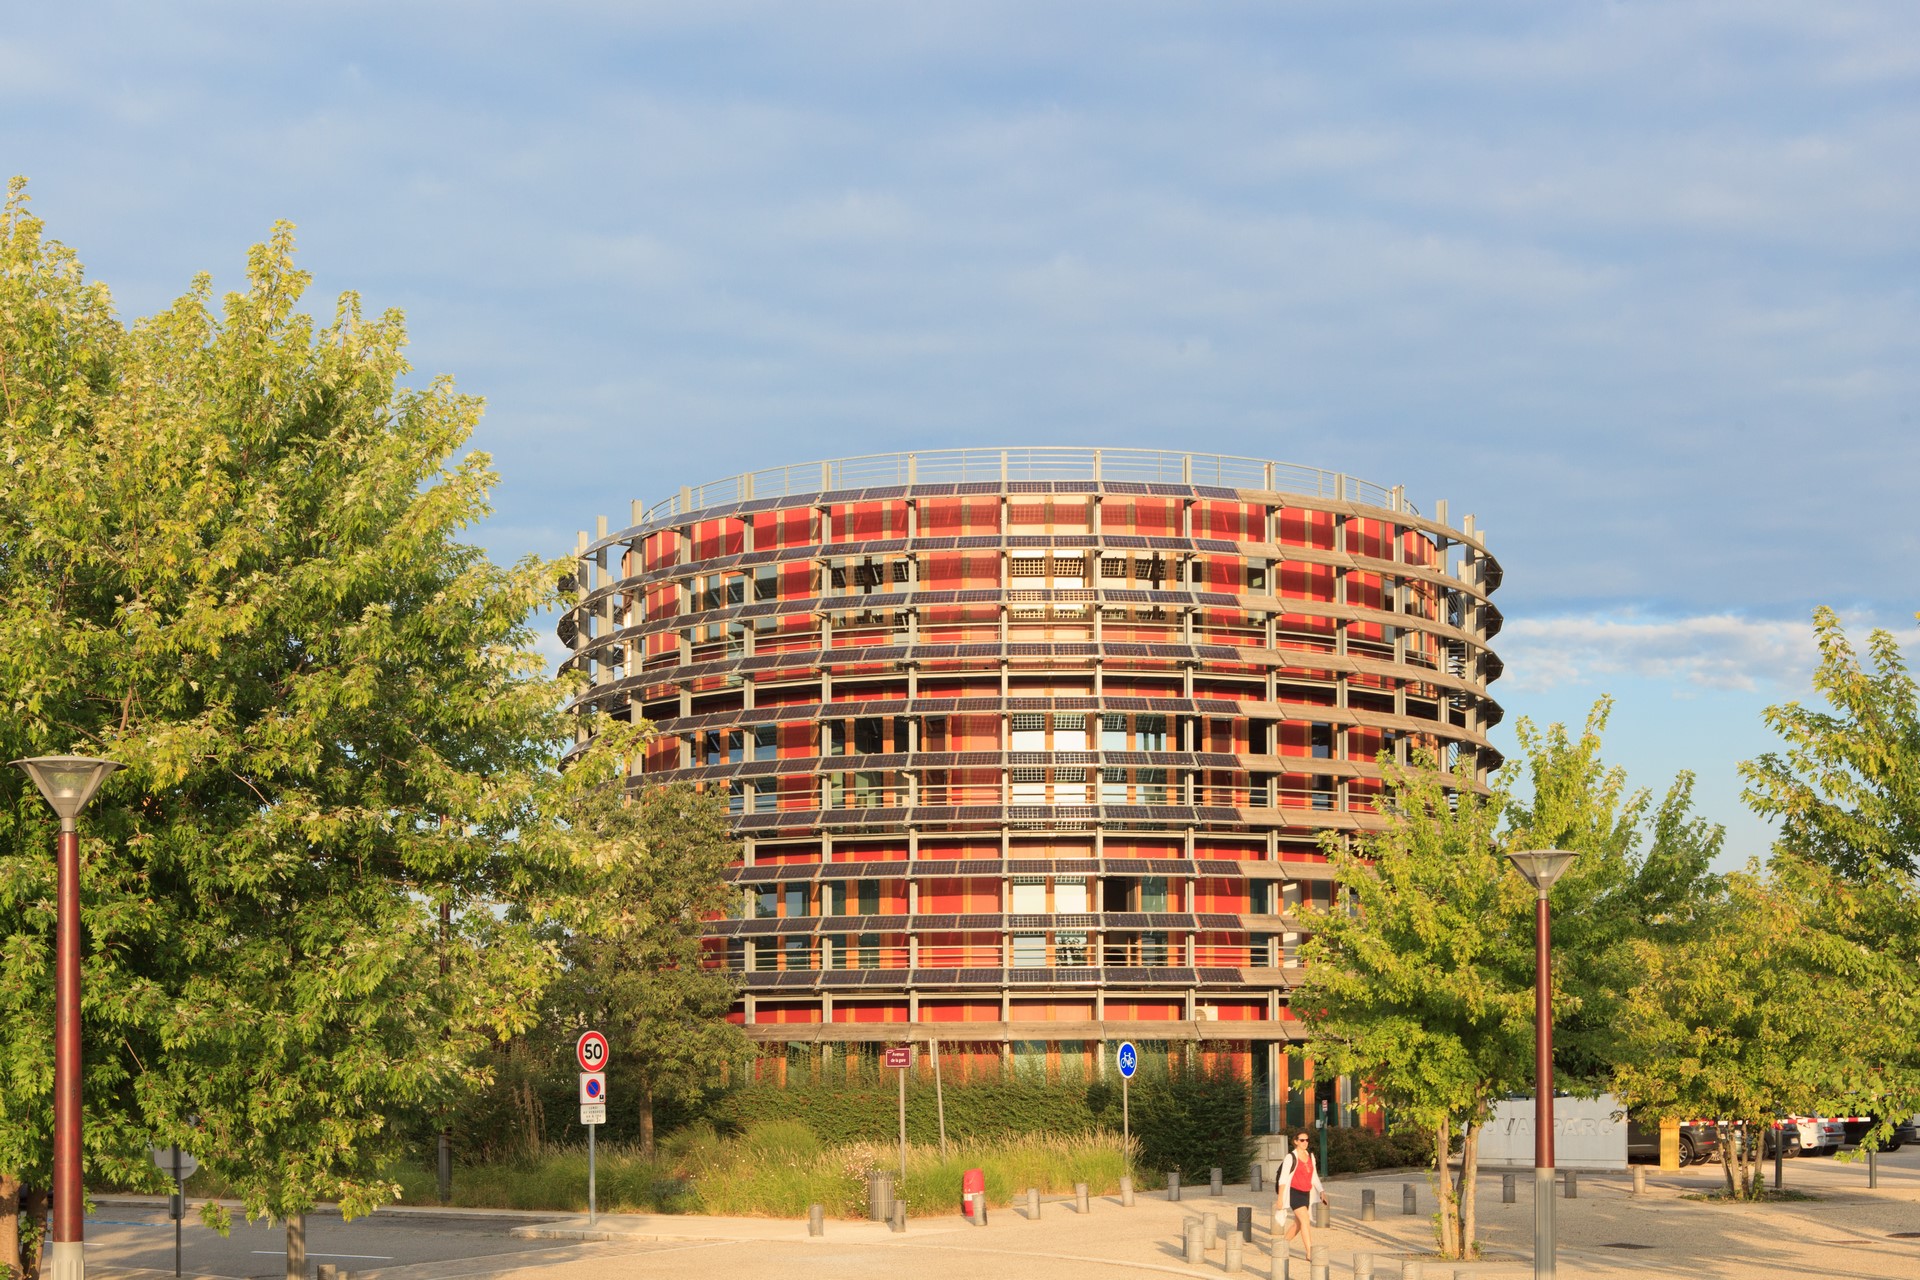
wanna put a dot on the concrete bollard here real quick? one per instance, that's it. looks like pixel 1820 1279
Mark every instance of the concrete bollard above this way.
pixel 1362 1266
pixel 1214 1185
pixel 1506 1188
pixel 1409 1199
pixel 1639 1179
pixel 1573 1184
pixel 1322 1257
pixel 1033 1203
pixel 1367 1210
pixel 1282 1255
pixel 1243 1223
pixel 1257 1176
pixel 1321 1213
pixel 1412 1269
pixel 1173 1184
pixel 1318 1271
pixel 1232 1261
pixel 1081 1202
pixel 880 1195
pixel 1126 1193
pixel 1209 1229
pixel 816 1219
pixel 326 1271
pixel 1195 1253
pixel 899 1220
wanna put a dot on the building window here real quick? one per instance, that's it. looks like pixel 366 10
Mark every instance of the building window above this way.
pixel 869 897
pixel 766 903
pixel 766 742
pixel 1070 896
pixel 1029 950
pixel 1029 732
pixel 1070 950
pixel 1029 895
pixel 796 900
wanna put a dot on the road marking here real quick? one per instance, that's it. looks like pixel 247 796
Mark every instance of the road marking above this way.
pixel 365 1257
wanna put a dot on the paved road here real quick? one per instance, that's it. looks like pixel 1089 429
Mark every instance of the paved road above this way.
pixel 126 1235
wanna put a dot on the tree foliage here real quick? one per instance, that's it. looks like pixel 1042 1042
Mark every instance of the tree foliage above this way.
pixel 1422 984
pixel 230 558
pixel 638 969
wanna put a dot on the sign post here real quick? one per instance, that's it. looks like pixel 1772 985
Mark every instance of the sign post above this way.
pixel 1129 1059
pixel 591 1051
pixel 174 1161
pixel 900 1057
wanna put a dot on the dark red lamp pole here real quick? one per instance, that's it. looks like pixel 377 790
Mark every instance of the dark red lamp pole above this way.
pixel 1542 867
pixel 67 782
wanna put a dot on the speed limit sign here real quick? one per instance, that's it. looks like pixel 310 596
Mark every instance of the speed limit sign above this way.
pixel 592 1051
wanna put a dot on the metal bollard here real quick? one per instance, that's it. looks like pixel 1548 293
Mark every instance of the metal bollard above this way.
pixel 1033 1203
pixel 899 1222
pixel 1173 1184
pixel 1412 1269
pixel 1639 1179
pixel 1214 1185
pixel 880 1196
pixel 1126 1193
pixel 1243 1223
pixel 1367 1210
pixel 1409 1199
pixel 1573 1184
pixel 816 1219
pixel 1873 1168
pixel 1232 1260
pixel 1081 1204
pixel 1362 1266
pixel 1506 1188
pixel 1195 1254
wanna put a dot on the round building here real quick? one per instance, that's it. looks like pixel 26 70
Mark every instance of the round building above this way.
pixel 1033 750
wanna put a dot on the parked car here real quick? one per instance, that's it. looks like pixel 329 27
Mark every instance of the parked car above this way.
pixel 1781 1134
pixel 1698 1141
pixel 1820 1136
pixel 1856 1128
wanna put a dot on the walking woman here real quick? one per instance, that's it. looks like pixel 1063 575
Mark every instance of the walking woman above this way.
pixel 1294 1191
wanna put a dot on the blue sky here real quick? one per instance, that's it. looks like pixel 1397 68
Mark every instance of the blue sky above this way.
pixel 1635 283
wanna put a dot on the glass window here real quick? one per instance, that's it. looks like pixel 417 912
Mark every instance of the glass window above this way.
pixel 836 891
pixel 869 897
pixel 869 951
pixel 867 736
pixel 1029 950
pixel 766 742
pixel 766 796
pixel 736 796
pixel 1029 732
pixel 1153 786
pixel 766 902
pixel 1070 895
pixel 766 583
pixel 1153 950
pixel 1151 732
pixel 1113 732
pixel 796 900
pixel 1029 895
pixel 797 953
pixel 1321 736
pixel 1070 950
pixel 736 746
pixel 1153 893
pixel 869 789
pixel 1113 786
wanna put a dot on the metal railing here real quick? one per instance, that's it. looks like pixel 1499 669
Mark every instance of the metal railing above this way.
pixel 1026 464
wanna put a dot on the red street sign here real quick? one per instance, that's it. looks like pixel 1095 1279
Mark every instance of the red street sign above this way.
pixel 901 1056
pixel 592 1051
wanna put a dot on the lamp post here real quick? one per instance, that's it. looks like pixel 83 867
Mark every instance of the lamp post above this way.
pixel 1542 867
pixel 67 782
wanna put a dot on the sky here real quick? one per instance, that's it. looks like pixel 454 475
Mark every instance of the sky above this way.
pixel 1634 283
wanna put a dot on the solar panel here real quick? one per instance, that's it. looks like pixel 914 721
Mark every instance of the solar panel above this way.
pixel 1030 976
pixel 931 977
pixel 1214 491
pixel 977 486
pixel 1222 976
pixel 1029 486
pixel 1214 920
pixel 977 976
pixel 931 490
pixel 936 924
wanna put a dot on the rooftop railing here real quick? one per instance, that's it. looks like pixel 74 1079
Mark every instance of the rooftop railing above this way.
pixel 1025 464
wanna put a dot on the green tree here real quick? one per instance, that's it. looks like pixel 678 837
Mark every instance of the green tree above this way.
pixel 638 970
pixel 1420 983
pixel 1846 793
pixel 1423 985
pixel 230 558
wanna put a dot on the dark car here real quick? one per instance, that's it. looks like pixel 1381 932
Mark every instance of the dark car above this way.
pixel 1698 1142
pixel 1903 1133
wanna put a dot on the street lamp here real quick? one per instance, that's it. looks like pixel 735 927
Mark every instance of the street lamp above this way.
pixel 1542 867
pixel 67 782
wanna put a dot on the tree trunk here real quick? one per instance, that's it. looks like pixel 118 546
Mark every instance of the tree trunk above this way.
pixel 296 1246
pixel 646 1122
pixel 1469 1172
pixel 10 1225
pixel 1727 1137
pixel 1449 1222
pixel 39 1203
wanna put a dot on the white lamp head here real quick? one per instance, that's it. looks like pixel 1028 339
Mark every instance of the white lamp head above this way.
pixel 1541 867
pixel 67 782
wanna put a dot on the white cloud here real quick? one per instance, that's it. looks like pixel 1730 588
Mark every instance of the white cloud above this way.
pixel 1711 651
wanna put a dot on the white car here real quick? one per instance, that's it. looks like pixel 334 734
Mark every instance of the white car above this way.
pixel 1820 1136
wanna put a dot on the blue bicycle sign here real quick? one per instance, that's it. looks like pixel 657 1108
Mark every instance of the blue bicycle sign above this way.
pixel 1129 1060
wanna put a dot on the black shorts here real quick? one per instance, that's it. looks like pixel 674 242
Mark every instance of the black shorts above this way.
pixel 1298 1199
